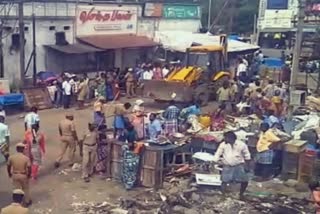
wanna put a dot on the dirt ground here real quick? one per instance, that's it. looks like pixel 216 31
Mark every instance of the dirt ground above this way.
pixel 55 192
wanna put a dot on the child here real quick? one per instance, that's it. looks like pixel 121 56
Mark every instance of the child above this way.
pixel 315 194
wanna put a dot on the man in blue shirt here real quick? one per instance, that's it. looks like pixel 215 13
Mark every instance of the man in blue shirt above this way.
pixel 191 110
pixel 154 127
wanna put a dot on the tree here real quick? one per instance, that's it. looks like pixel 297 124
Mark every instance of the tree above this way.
pixel 243 14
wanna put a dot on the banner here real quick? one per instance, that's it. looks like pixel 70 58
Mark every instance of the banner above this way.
pixel 152 10
pixel 111 19
pixel 181 12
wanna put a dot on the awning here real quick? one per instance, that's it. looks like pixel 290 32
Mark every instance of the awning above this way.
pixel 118 41
pixel 74 48
pixel 181 40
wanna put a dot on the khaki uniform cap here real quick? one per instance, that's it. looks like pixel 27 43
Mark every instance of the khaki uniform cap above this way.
pixel 18 192
pixel 69 114
pixel 20 145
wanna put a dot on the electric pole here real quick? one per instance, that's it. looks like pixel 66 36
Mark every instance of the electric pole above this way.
pixel 34 50
pixel 298 43
pixel 22 43
pixel 1 50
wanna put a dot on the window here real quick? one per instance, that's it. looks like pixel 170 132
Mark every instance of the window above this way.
pixel 66 28
pixel 52 28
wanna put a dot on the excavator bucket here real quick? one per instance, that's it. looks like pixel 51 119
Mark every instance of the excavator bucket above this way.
pixel 165 91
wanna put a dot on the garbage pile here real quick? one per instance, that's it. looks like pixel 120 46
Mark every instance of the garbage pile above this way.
pixel 182 196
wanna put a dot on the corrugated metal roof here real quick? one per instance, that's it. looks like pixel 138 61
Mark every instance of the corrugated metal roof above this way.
pixel 118 41
pixel 74 48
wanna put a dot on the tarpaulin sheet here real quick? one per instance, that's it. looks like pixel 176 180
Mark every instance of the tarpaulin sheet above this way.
pixel 12 99
pixel 181 40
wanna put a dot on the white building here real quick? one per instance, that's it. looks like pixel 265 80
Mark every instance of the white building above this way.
pixel 84 37
pixel 279 17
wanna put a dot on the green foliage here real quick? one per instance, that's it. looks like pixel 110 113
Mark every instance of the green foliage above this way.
pixel 244 13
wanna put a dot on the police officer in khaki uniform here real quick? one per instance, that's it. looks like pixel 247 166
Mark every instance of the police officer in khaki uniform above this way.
pixel 15 207
pixel 130 81
pixel 69 139
pixel 19 169
pixel 89 152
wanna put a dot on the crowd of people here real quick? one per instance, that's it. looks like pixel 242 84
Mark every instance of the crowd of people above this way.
pixel 133 124
pixel 69 89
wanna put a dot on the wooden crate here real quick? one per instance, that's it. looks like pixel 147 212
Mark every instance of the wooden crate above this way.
pixel 295 146
pixel 38 97
pixel 116 160
pixel 151 171
pixel 308 167
pixel 290 165
pixel 153 164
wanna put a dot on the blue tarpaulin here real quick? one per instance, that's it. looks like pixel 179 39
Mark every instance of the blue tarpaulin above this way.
pixel 12 99
pixel 273 62
pixel 234 37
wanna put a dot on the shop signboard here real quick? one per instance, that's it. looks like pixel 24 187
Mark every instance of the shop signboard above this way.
pixel 281 19
pixel 103 20
pixel 172 11
pixel 152 9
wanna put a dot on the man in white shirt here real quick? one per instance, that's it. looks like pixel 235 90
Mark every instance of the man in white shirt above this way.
pixel 66 88
pixel 2 112
pixel 32 118
pixel 4 138
pixel 245 61
pixel 165 71
pixel 147 75
pixel 242 68
pixel 235 157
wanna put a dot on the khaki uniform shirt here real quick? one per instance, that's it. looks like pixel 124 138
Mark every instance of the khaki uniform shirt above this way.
pixel 90 139
pixel 19 163
pixel 120 110
pixel 14 208
pixel 129 77
pixel 67 127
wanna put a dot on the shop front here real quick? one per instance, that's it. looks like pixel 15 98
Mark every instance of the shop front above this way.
pixel 113 27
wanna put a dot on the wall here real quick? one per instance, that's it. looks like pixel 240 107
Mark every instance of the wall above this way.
pixel 44 36
pixel 47 14
pixel 61 14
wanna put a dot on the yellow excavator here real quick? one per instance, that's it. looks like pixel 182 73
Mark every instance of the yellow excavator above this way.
pixel 198 80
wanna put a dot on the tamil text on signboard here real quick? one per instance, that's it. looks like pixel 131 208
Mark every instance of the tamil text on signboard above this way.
pixel 97 20
pixel 181 11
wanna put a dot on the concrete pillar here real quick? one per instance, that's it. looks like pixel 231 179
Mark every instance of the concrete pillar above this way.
pixel 118 62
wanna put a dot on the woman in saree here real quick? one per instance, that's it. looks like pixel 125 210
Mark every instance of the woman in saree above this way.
pixel 98 115
pixel 130 165
pixel 102 150
pixel 101 86
pixel 110 86
pixel 35 149
pixel 217 119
